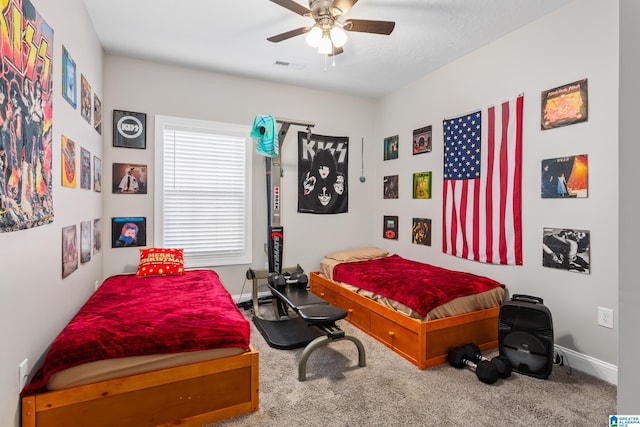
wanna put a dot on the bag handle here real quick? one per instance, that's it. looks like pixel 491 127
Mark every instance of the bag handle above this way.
pixel 527 298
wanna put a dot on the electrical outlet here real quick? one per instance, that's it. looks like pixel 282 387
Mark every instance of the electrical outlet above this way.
pixel 23 373
pixel 605 317
pixel 96 285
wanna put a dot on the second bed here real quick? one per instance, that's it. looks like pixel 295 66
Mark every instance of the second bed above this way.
pixel 418 310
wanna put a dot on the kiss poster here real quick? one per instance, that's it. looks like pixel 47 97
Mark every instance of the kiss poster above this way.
pixel 26 56
pixel 322 174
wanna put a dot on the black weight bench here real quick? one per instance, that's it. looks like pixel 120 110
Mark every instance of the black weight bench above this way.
pixel 315 312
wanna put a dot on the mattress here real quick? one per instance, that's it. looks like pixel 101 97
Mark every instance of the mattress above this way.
pixel 103 370
pixel 460 305
pixel 133 324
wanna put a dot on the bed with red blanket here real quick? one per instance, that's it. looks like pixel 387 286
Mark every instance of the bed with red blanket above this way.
pixel 148 351
pixel 416 309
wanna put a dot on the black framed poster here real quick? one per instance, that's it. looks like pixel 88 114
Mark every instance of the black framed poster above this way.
pixel 129 129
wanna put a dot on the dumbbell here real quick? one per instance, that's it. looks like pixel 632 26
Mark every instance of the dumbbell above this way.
pixel 485 371
pixel 501 363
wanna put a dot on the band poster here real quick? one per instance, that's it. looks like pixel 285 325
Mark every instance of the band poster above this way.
pixel 322 174
pixel 26 55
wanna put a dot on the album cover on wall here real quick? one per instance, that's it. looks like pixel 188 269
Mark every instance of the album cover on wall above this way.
pixel 69 250
pixel 422 140
pixel 85 169
pixel 129 178
pixel 566 249
pixel 85 99
pixel 128 231
pixel 68 162
pixel 97 174
pixel 97 235
pixel 390 187
pixel 390 227
pixel 391 147
pixel 421 231
pixel 69 87
pixel 129 129
pixel 565 177
pixel 85 241
pixel 422 185
pixel 565 105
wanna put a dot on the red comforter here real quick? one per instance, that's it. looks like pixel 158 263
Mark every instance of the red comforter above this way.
pixel 135 316
pixel 419 286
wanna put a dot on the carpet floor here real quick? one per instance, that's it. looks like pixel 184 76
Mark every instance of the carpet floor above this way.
pixel 390 391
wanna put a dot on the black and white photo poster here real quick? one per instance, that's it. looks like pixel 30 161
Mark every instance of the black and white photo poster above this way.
pixel 322 174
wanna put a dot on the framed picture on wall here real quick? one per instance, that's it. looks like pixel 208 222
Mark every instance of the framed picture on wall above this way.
pixel 85 241
pixel 565 177
pixel 85 169
pixel 97 174
pixel 97 114
pixel 129 129
pixel 566 249
pixel 85 99
pixel 422 185
pixel 68 162
pixel 390 227
pixel 422 140
pixel 128 231
pixel 390 187
pixel 129 179
pixel 69 87
pixel 69 250
pixel 391 147
pixel 97 235
pixel 421 231
pixel 565 105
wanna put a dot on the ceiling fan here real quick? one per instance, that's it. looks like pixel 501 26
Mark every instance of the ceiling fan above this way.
pixel 328 32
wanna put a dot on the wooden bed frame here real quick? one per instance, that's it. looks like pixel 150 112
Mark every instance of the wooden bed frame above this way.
pixel 423 343
pixel 188 395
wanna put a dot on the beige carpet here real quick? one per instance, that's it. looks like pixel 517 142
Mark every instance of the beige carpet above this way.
pixel 390 391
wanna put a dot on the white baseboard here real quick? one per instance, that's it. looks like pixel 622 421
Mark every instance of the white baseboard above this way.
pixel 589 365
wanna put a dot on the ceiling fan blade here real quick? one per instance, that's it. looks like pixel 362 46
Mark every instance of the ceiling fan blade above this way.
pixel 344 5
pixel 293 6
pixel 279 37
pixel 336 51
pixel 368 26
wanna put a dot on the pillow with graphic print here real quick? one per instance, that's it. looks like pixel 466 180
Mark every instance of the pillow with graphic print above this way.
pixel 160 262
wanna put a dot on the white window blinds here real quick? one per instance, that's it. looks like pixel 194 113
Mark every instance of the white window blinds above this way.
pixel 204 178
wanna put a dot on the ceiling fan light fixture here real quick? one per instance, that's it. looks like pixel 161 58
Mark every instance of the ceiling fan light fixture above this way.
pixel 338 36
pixel 314 36
pixel 325 47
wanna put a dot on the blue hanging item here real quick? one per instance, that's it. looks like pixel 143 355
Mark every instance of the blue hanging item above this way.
pixel 264 131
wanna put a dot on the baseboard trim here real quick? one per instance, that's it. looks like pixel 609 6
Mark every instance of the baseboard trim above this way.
pixel 589 365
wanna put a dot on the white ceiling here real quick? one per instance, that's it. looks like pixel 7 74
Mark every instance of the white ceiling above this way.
pixel 230 37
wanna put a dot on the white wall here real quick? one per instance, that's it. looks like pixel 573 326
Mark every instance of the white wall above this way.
pixel 35 302
pixel 577 41
pixel 154 88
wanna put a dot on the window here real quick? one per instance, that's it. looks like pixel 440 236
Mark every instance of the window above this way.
pixel 203 191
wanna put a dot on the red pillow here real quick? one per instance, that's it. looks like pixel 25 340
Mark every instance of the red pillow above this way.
pixel 160 261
